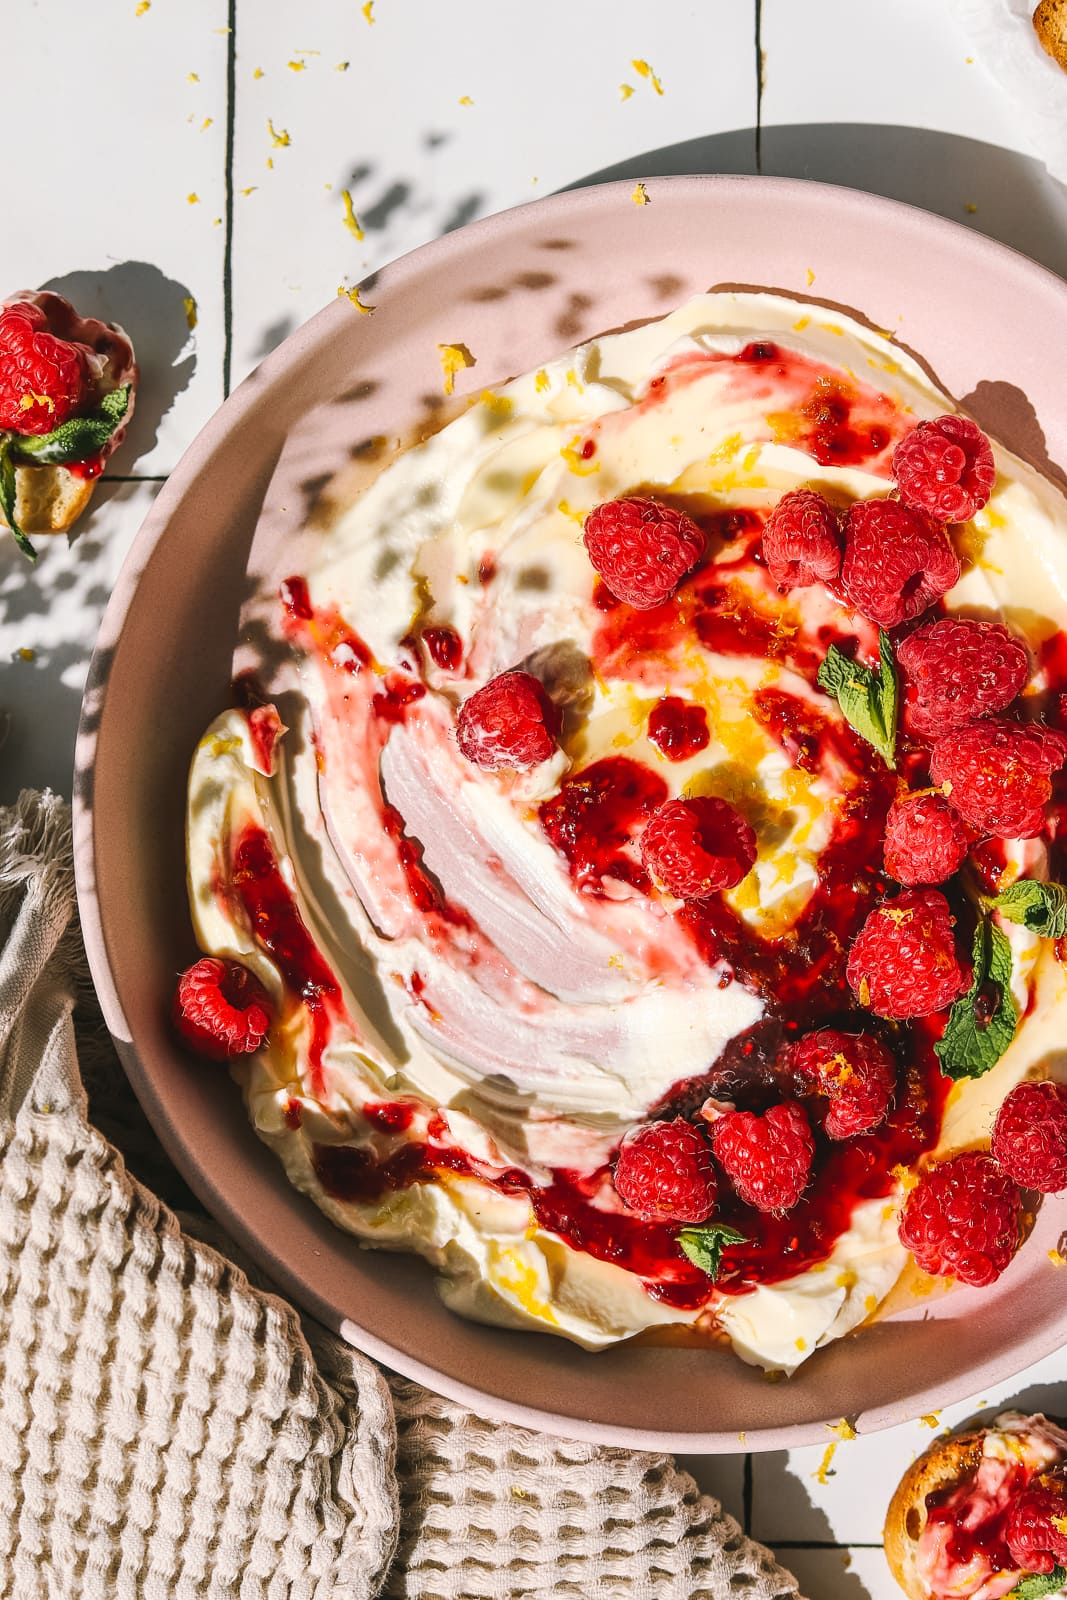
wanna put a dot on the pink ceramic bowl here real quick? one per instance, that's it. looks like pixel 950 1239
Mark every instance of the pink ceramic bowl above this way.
pixel 516 289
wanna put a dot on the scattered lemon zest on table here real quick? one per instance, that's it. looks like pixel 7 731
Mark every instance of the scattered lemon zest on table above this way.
pixel 205 125
pixel 258 73
pixel 351 221
pixel 454 357
pixel 145 5
pixel 279 136
pixel 190 311
pixel 26 654
pixel 811 277
pixel 641 196
pixel 192 77
pixel 342 66
pixel 971 207
pixel 741 1437
pixel 843 1429
pixel 353 295
pixel 932 1419
pixel 216 222
pixel 625 90
pixel 297 66
pixel 193 199
pixel 368 12
pixel 465 100
pixel 643 70
pixel 824 1472
pixel 252 187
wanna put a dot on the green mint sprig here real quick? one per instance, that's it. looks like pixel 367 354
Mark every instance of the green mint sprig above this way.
pixel 975 1038
pixel 704 1246
pixel 1038 1584
pixel 1041 907
pixel 77 439
pixel 8 496
pixel 868 699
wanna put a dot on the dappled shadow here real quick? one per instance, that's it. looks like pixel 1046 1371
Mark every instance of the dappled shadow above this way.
pixel 1014 199
pixel 153 310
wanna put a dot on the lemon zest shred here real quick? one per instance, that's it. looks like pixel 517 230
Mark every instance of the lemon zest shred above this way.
pixel 353 295
pixel 279 137
pixel 189 305
pixel 350 219
pixel 823 1472
pixel 454 358
pixel 641 196
pixel 643 70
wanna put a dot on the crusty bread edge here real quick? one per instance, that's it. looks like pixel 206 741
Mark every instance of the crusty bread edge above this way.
pixel 941 1467
pixel 48 499
pixel 1050 25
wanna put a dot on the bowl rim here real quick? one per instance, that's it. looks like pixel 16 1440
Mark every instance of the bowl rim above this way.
pixel 860 206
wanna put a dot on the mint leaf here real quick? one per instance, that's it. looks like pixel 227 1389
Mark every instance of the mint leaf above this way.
pixel 975 1037
pixel 704 1246
pixel 1041 907
pixel 867 699
pixel 8 493
pixel 1036 1585
pixel 78 438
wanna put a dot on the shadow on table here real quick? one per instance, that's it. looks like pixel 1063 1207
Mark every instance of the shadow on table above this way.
pixel 1015 200
pixel 155 311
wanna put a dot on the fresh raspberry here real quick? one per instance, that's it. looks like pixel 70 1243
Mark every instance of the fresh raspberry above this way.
pixel 945 467
pixel 43 380
pixel 802 541
pixel 854 1071
pixel 766 1158
pixel 641 549
pixel 955 671
pixel 897 561
pixel 903 961
pixel 1030 1136
pixel 925 841
pixel 963 1219
pixel 998 774
pixel 1036 1527
pixel 509 722
pixel 664 1172
pixel 220 1009
pixel 698 846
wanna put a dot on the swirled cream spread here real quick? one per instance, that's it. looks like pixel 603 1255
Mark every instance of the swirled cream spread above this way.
pixel 478 987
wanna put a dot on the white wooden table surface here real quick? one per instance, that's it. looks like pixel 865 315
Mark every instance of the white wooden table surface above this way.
pixel 184 160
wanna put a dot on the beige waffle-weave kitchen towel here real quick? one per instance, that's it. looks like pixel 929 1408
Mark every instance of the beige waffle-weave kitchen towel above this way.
pixel 169 1430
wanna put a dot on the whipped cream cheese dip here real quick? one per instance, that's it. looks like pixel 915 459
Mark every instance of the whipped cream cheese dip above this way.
pixel 478 989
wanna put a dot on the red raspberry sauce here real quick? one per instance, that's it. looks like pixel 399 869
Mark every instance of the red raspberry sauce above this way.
pixel 445 647
pixel 258 886
pixel 596 816
pixel 678 729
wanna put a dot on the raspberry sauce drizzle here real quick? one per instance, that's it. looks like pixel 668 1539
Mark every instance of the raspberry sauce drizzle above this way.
pixel 257 884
